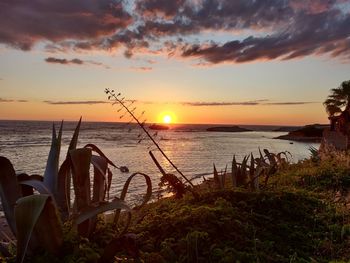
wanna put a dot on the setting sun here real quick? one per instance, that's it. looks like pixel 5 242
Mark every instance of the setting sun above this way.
pixel 167 119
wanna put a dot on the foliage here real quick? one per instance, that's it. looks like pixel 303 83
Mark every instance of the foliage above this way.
pixel 30 215
pixel 252 173
pixel 241 226
pixel 338 99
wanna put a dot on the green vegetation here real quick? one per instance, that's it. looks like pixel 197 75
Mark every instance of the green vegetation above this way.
pixel 301 216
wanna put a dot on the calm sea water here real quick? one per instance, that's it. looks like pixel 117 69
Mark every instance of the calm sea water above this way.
pixel 192 149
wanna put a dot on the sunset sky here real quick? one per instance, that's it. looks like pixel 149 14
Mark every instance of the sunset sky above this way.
pixel 202 61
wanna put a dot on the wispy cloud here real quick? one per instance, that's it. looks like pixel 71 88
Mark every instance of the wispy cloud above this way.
pixel 141 68
pixel 290 103
pixel 11 100
pixel 74 61
pixel 86 102
pixel 235 103
pixel 263 102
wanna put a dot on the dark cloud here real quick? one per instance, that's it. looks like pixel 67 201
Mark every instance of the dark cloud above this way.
pixel 24 23
pixel 10 100
pixel 87 102
pixel 64 61
pixel 74 61
pixel 275 29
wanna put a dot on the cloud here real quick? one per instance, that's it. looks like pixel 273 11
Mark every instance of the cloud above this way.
pixel 10 100
pixel 64 61
pixel 74 61
pixel 25 23
pixel 87 102
pixel 272 29
pixel 263 102
pixel 245 103
pixel 141 68
pixel 290 103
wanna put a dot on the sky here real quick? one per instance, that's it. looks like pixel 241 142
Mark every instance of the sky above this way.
pixel 200 61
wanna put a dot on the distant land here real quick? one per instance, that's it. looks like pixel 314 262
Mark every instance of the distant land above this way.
pixel 309 133
pixel 159 127
pixel 227 129
pixel 287 128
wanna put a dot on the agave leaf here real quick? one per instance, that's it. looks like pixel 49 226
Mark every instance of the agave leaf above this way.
pixel 49 219
pixel 97 150
pixel 10 191
pixel 92 211
pixel 234 172
pixel 37 185
pixel 63 188
pixel 271 157
pixel 146 197
pixel 223 178
pixel 81 159
pixel 241 180
pixel 74 141
pixel 109 181
pixel 64 177
pixel 31 210
pixel 148 194
pixel 252 171
pixel 26 190
pixel 216 177
pixel 262 159
pixel 51 170
pixel 100 185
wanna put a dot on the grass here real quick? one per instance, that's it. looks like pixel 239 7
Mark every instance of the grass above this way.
pixel 302 216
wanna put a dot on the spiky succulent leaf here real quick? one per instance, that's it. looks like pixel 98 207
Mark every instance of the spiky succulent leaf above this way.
pixel 81 159
pixel 10 191
pixel 234 171
pixel 37 212
pixel 100 182
pixel 94 148
pixel 37 185
pixel 146 197
pixel 52 165
pixel 92 211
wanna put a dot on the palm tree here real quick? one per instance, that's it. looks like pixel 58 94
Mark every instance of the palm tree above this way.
pixel 339 100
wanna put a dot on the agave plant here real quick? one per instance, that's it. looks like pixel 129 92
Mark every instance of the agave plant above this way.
pixel 35 218
pixel 251 170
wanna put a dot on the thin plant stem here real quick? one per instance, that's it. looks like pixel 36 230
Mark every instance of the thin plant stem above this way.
pixel 111 93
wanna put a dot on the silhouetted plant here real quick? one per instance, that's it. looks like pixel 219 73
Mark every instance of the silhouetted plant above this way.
pixel 251 171
pixel 121 101
pixel 339 99
pixel 30 215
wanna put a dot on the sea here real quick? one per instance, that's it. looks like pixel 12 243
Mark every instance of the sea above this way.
pixel 191 148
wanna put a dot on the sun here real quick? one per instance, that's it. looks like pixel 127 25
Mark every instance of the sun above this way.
pixel 167 119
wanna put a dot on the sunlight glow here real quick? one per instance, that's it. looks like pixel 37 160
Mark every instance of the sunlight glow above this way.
pixel 167 119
